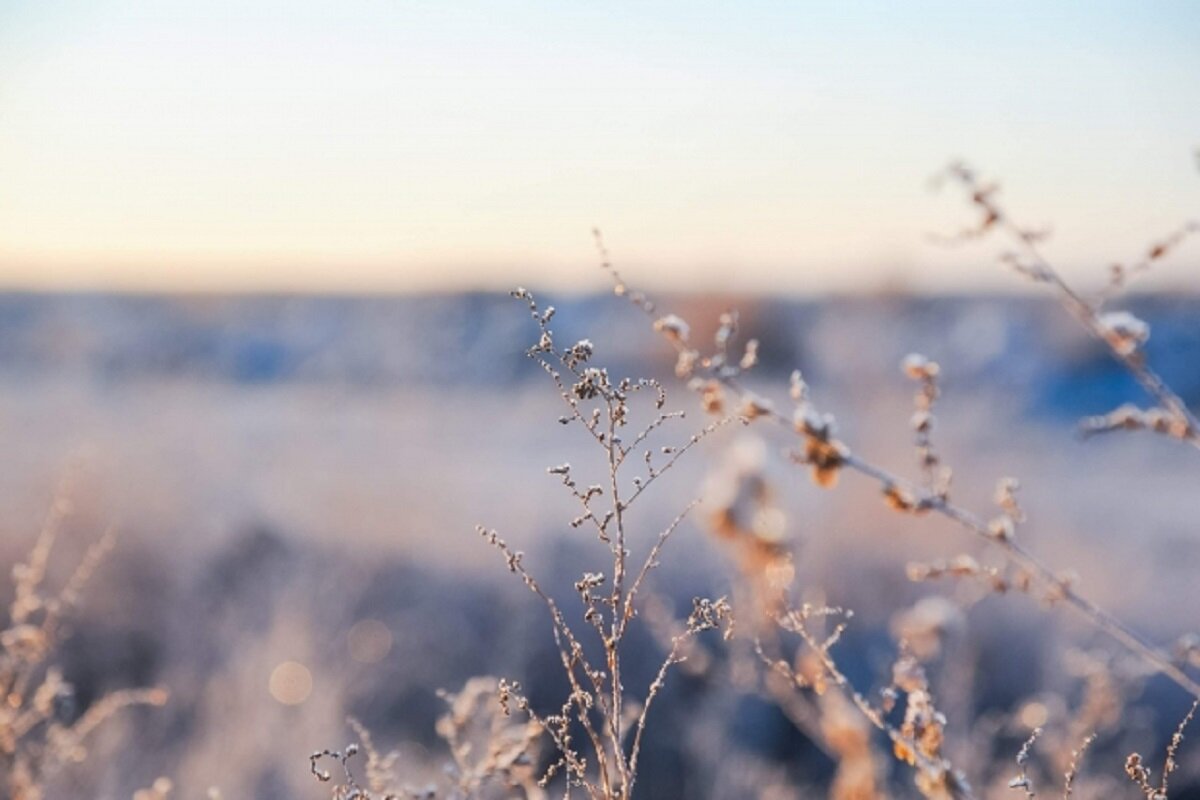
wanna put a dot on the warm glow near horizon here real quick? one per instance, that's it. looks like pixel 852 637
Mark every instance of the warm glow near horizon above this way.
pixel 359 146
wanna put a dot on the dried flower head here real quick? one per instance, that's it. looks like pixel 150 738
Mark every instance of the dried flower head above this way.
pixel 1125 332
pixel 674 328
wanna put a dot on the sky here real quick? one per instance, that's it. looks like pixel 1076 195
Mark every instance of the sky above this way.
pixel 753 146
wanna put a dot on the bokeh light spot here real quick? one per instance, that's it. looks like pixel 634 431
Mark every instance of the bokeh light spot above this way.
pixel 291 683
pixel 370 641
pixel 1034 715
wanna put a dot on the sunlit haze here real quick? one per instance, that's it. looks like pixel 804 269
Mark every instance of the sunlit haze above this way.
pixel 360 146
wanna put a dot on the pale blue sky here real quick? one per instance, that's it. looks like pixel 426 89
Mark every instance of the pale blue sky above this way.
pixel 389 145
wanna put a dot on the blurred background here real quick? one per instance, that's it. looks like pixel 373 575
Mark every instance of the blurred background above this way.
pixel 254 261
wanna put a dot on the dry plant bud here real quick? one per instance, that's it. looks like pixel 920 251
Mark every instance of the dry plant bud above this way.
pixel 919 368
pixel 1139 773
pixel 1006 498
pixel 908 675
pixel 750 356
pixel 589 581
pixel 726 330
pixel 1002 528
pixel 592 383
pixel 825 454
pixel 900 499
pixel 579 352
pixel 808 421
pixel 917 571
pixel 754 407
pixel 797 388
pixel 1061 587
pixel 685 364
pixel 674 328
pixel 1124 332
pixel 712 395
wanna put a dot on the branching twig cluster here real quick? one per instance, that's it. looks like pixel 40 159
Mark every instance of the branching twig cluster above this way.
pixel 1122 332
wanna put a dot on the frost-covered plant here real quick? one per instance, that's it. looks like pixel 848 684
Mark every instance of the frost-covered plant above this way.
pixel 41 730
pixel 1122 332
pixel 595 735
pixel 491 754
pixel 604 764
pixel 718 377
